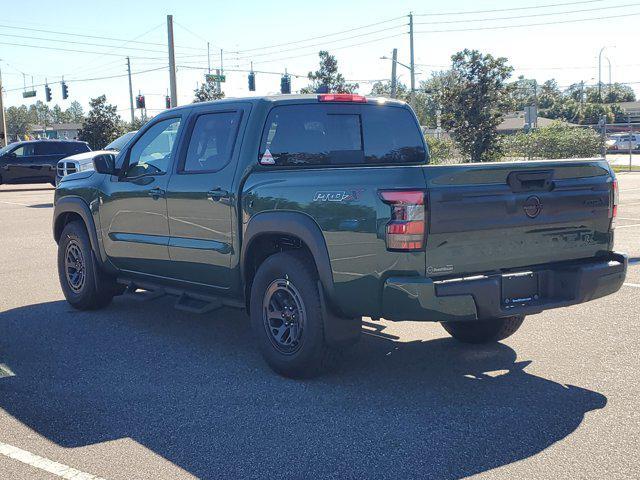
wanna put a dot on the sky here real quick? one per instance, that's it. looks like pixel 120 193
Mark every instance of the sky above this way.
pixel 85 41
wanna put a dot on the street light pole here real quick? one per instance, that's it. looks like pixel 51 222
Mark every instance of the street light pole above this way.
pixel 394 78
pixel 172 62
pixel 413 67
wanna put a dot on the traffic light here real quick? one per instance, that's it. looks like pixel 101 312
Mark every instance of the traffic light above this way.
pixel 140 101
pixel 47 93
pixel 167 101
pixel 252 82
pixel 65 91
pixel 285 84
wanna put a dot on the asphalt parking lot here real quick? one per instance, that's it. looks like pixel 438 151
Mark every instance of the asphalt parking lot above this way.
pixel 142 391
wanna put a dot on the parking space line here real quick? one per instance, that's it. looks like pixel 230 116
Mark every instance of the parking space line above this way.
pixel 55 468
pixel 14 203
pixel 628 226
pixel 634 285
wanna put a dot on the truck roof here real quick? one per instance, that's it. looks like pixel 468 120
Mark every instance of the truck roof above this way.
pixel 284 99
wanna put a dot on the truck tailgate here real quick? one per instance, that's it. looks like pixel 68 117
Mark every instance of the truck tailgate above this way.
pixel 490 217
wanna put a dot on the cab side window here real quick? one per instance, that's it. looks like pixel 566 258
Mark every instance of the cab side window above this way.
pixel 212 141
pixel 152 152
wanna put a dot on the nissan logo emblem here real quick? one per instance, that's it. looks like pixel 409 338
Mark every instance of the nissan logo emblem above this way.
pixel 532 207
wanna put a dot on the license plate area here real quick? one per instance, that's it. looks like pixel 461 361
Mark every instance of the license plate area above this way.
pixel 520 289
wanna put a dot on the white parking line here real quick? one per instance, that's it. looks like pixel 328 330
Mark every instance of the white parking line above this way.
pixel 634 285
pixel 628 226
pixel 55 468
pixel 14 203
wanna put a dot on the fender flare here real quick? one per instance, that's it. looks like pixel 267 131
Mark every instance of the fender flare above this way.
pixel 80 207
pixel 299 225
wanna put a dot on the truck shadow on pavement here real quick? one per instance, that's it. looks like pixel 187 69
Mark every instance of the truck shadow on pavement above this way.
pixel 194 390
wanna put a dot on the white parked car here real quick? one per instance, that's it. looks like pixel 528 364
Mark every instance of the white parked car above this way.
pixel 622 141
pixel 83 162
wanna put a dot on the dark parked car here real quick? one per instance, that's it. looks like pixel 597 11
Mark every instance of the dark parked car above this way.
pixel 34 161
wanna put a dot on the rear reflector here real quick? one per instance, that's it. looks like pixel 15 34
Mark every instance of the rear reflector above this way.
pixel 341 97
pixel 406 228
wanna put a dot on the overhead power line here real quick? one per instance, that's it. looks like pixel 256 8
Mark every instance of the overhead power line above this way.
pixel 320 36
pixel 315 53
pixel 513 9
pixel 317 44
pixel 77 51
pixel 547 14
pixel 557 22
pixel 82 80
pixel 98 37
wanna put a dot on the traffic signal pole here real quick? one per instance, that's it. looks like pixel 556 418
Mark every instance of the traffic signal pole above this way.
pixel 133 115
pixel 172 63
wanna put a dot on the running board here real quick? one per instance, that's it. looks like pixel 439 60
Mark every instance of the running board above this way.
pixel 141 294
pixel 187 300
pixel 191 304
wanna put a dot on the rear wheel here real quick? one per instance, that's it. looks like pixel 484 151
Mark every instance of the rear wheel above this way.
pixel 286 316
pixel 484 331
pixel 84 286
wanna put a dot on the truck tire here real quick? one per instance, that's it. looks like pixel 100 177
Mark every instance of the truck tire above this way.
pixel 286 316
pixel 84 285
pixel 484 331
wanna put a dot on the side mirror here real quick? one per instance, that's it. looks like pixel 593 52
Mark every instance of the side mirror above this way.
pixel 105 163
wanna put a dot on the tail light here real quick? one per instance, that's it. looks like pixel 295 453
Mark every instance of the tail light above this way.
pixel 406 229
pixel 615 196
pixel 341 97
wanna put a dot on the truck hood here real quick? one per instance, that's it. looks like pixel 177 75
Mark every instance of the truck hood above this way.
pixel 85 157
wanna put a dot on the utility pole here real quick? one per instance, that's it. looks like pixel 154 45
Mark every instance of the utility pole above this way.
pixel 413 67
pixel 4 137
pixel 208 60
pixel 172 63
pixel 394 79
pixel 133 115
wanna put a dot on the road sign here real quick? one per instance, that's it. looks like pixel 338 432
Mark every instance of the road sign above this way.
pixel 29 94
pixel 215 78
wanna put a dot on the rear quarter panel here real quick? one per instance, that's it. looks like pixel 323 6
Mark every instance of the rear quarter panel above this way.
pixel 344 202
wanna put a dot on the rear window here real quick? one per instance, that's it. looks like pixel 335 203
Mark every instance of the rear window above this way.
pixel 333 134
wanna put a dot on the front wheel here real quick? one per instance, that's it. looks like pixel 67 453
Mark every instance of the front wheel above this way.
pixel 286 316
pixel 484 331
pixel 84 286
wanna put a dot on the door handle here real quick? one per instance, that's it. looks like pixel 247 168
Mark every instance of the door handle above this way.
pixel 216 194
pixel 156 193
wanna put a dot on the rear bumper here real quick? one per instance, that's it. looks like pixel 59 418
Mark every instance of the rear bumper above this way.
pixel 480 296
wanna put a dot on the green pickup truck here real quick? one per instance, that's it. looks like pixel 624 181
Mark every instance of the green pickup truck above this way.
pixel 312 211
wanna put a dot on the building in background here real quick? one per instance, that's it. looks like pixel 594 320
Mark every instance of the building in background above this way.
pixel 61 131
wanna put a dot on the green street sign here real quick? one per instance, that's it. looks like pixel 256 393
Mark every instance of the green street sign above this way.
pixel 29 94
pixel 215 78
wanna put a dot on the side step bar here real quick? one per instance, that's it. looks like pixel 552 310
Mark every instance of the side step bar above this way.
pixel 187 301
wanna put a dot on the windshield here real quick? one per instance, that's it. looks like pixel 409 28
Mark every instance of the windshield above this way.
pixel 120 142
pixel 6 149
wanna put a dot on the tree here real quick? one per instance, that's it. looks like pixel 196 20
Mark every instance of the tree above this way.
pixel 328 76
pixel 208 91
pixel 74 113
pixel 58 115
pixel 102 125
pixel 18 121
pixel 473 98
pixel 40 114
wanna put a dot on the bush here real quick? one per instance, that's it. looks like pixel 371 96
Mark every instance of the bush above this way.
pixel 554 141
pixel 441 150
